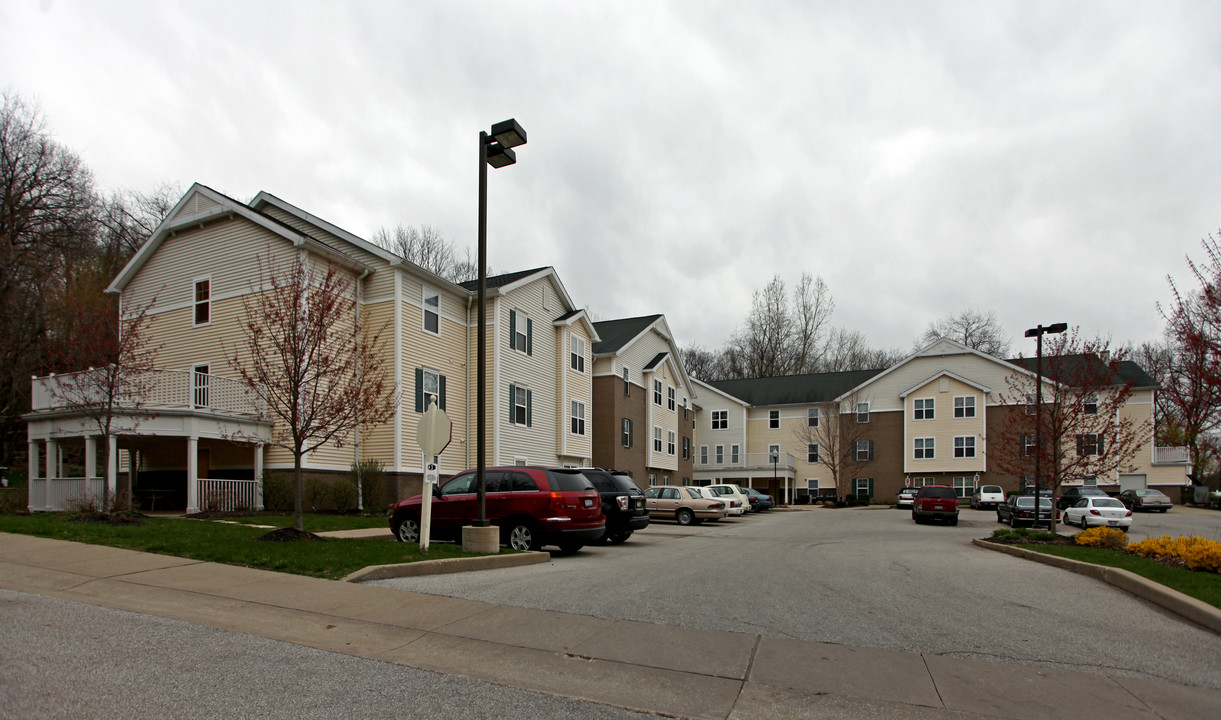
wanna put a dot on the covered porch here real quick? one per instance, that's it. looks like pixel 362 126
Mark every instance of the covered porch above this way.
pixel 194 443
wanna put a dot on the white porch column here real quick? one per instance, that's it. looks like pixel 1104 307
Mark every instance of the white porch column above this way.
pixel 91 456
pixel 258 476
pixel 52 461
pixel 33 460
pixel 112 467
pixel 192 474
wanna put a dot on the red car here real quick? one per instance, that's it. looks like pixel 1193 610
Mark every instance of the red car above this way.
pixel 935 502
pixel 532 506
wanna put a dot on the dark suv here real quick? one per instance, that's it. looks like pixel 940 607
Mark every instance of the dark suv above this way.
pixel 935 502
pixel 1071 495
pixel 532 506
pixel 622 503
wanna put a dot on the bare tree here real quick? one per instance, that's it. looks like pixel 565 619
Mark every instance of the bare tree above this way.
pixel 972 328
pixel 306 354
pixel 701 363
pixel 110 397
pixel 1084 431
pixel 850 350
pixel 427 247
pixel 812 308
pixel 843 446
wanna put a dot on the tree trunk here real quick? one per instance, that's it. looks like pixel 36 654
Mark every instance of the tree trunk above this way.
pixel 298 492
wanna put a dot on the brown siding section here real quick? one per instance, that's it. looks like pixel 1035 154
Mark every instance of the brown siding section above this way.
pixel 610 407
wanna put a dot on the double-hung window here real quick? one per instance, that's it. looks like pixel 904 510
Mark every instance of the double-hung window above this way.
pixel 670 442
pixel 703 454
pixel 656 438
pixel 812 453
pixel 657 392
pixel 863 450
pixel 432 311
pixel 686 448
pixel 923 409
pixel 428 383
pixel 862 412
pixel 521 333
pixel 577 354
pixel 734 453
pixel 1089 404
pixel 964 406
pixel 578 417
pixel 670 404
pixel 720 419
pixel 627 432
pixel 627 382
pixel 720 454
pixel 964 446
pixel 812 417
pixel 520 400
pixel 924 449
pixel 203 301
pixel 773 419
pixel 1089 444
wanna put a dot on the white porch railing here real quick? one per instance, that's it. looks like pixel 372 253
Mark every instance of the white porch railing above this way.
pixel 227 495
pixel 61 494
pixel 1171 456
pixel 743 461
pixel 161 390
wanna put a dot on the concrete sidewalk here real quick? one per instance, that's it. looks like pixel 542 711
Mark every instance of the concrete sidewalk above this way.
pixel 655 668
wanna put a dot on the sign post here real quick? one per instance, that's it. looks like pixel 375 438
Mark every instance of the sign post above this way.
pixel 433 434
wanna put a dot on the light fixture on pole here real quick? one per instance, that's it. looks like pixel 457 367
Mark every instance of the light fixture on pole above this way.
pixel 1038 333
pixel 494 150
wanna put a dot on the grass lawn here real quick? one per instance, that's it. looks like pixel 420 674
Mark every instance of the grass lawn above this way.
pixel 1202 586
pixel 230 544
pixel 315 522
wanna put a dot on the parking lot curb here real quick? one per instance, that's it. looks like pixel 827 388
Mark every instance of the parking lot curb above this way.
pixel 447 565
pixel 1174 601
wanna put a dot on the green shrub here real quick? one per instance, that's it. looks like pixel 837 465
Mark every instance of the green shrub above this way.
pixel 369 477
pixel 278 491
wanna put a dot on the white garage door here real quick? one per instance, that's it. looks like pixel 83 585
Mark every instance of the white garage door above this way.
pixel 1132 482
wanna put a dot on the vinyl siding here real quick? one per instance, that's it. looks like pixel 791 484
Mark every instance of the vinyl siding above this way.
pixel 575 386
pixel 444 353
pixel 536 372
pixel 943 428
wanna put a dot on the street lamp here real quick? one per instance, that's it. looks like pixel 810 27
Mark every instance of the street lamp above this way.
pixel 775 480
pixel 494 150
pixel 1037 333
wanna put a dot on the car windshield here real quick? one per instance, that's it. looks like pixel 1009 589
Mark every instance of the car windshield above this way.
pixel 1107 502
pixel 695 493
pixel 1028 501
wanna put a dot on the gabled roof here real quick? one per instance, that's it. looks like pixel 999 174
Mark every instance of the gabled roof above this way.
pixel 618 333
pixel 657 359
pixel 795 389
pixel 176 221
pixel 578 316
pixel 945 373
pixel 499 281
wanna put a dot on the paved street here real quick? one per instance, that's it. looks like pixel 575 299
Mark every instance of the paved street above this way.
pixel 865 578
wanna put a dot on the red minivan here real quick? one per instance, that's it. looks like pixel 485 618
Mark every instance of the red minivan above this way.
pixel 532 506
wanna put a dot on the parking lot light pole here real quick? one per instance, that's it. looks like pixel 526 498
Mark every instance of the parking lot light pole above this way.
pixel 494 150
pixel 1037 333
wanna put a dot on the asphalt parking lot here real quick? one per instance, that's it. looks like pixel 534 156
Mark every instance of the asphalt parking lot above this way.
pixel 866 578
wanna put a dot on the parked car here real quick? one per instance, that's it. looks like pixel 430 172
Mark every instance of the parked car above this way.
pixel 906 496
pixel 1020 510
pixel 935 502
pixel 1145 500
pixel 987 496
pixel 532 506
pixel 1070 495
pixel 684 505
pixel 759 501
pixel 622 503
pixel 1091 511
pixel 734 498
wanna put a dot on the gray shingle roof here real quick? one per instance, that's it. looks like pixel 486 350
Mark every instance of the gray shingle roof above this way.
pixel 496 281
pixel 1076 366
pixel 616 333
pixel 794 389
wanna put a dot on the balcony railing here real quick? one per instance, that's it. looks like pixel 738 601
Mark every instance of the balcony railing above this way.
pixel 744 461
pixel 1171 456
pixel 153 390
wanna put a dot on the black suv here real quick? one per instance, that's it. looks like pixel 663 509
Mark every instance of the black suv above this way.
pixel 1071 495
pixel 622 503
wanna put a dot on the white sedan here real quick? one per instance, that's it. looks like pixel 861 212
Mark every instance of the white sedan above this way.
pixel 732 495
pixel 1091 511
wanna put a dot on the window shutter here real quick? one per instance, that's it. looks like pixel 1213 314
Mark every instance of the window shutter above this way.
pixel 1080 444
pixel 512 329
pixel 1100 450
pixel 870 488
pixel 441 391
pixel 512 400
pixel 529 336
pixel 529 407
pixel 631 433
pixel 419 390
pixel 870 449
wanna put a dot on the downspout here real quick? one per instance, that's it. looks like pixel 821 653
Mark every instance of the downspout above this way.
pixel 466 383
pixel 360 488
pixel 398 368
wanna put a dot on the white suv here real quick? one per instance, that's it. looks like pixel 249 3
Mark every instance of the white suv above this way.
pixel 738 501
pixel 987 496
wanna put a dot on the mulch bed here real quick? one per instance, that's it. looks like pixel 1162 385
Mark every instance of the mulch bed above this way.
pixel 288 534
pixel 114 518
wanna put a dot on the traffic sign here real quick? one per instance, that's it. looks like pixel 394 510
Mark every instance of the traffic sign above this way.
pixel 435 430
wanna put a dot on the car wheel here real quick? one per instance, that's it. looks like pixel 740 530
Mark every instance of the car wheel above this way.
pixel 1165 509
pixel 953 521
pixel 620 537
pixel 1012 522
pixel 522 536
pixel 408 531
pixel 684 517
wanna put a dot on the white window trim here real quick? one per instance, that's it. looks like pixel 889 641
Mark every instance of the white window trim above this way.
pixel 815 450
pixel 671 445
pixel 773 419
pixel 657 394
pixel 657 439
pixel 735 454
pixel 425 293
pixel 573 355
pixel 928 409
pixel 964 447
pixel 724 419
pixel 859 413
pixel 573 406
pixel 965 407
pixel 812 414
pixel 671 396
pixel 927 452
pixel 196 303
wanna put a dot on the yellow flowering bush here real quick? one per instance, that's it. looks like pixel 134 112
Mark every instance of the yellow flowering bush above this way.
pixel 1103 537
pixel 1196 552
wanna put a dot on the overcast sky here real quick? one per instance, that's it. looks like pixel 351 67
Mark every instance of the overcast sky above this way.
pixel 1046 161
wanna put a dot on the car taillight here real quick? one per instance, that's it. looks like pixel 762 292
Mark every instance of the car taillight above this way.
pixel 623 501
pixel 1128 514
pixel 716 505
pixel 557 501
pixel 1094 512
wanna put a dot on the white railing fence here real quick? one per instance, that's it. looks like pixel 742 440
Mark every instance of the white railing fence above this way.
pixel 1170 456
pixel 61 494
pixel 728 459
pixel 158 389
pixel 227 495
